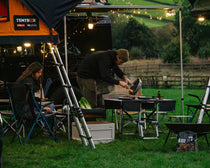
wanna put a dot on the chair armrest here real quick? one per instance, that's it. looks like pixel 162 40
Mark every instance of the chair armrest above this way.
pixel 194 106
pixel 194 96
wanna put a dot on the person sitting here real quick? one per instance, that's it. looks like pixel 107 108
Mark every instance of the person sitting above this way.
pixel 32 75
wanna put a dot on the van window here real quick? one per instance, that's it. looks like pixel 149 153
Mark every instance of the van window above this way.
pixel 4 10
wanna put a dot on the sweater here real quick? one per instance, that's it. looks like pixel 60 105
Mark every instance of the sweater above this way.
pixel 100 65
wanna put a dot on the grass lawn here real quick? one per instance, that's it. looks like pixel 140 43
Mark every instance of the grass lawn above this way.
pixel 125 151
pixel 142 2
pixel 147 12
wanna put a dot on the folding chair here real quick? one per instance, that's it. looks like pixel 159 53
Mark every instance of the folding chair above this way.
pixel 165 106
pixel 8 121
pixel 47 86
pixel 149 117
pixel 61 116
pixel 193 109
pixel 133 112
pixel 27 113
pixel 129 115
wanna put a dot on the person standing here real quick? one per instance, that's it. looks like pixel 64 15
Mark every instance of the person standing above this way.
pixel 96 74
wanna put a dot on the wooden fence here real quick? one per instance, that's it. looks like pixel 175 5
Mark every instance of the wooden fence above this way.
pixel 149 68
pixel 168 75
pixel 173 81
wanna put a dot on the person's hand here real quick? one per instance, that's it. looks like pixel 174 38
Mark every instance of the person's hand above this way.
pixel 45 99
pixel 47 109
pixel 127 80
pixel 123 84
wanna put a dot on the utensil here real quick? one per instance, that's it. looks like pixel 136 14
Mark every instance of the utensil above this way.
pixel 135 86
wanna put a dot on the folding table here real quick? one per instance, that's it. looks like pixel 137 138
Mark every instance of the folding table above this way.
pixel 135 104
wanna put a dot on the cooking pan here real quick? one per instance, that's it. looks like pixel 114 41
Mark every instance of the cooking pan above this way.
pixel 135 86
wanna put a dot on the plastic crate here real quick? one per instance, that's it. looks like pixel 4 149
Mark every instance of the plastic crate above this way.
pixel 101 131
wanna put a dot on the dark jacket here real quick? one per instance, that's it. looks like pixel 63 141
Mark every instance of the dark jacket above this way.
pixel 31 81
pixel 100 65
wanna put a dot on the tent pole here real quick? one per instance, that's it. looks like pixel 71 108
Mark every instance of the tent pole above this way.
pixel 65 43
pixel 66 65
pixel 181 61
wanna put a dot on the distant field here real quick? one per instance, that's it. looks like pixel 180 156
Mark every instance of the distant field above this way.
pixel 142 2
pixel 153 14
pixel 150 23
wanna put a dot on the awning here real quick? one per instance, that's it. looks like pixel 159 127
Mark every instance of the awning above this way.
pixel 50 12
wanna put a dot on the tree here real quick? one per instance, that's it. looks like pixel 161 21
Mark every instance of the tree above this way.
pixel 139 35
pixel 194 33
pixel 172 52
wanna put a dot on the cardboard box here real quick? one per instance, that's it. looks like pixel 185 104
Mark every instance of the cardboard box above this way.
pixel 101 131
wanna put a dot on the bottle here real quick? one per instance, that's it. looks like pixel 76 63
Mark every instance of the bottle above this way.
pixel 158 95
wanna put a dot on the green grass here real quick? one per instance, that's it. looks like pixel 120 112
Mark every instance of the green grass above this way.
pixel 141 2
pixel 150 23
pixel 148 12
pixel 175 94
pixel 124 152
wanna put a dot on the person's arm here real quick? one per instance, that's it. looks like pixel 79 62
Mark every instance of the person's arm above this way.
pixel 118 71
pixel 106 76
pixel 105 72
pixel 128 81
pixel 121 75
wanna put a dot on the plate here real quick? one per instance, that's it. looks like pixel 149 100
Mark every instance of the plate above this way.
pixel 126 98
pixel 144 97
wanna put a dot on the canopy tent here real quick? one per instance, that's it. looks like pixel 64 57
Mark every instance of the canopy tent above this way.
pixel 31 21
pixel 99 7
pixel 50 12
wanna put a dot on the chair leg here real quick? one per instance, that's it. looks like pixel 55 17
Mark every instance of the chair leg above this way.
pixel 169 134
pixel 116 120
pixel 207 140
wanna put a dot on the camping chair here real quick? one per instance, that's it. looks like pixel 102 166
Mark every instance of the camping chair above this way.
pixel 129 115
pixel 8 121
pixel 6 116
pixel 133 112
pixel 202 105
pixel 47 86
pixel 58 109
pixel 27 113
pixel 193 109
pixel 165 106
pixel 149 119
pixel 199 128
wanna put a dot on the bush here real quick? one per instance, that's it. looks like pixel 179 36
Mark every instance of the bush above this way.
pixel 136 53
pixel 118 25
pixel 204 51
pixel 172 52
pixel 128 33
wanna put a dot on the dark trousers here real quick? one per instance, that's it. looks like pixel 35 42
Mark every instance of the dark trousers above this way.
pixel 93 90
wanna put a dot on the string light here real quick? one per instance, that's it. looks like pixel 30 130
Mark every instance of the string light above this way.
pixel 27 44
pixel 92 49
pixel 120 13
pixel 170 13
pixel 19 48
pixel 201 18
pixel 90 26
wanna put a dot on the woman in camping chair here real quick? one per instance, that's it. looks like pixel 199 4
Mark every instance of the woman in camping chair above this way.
pixel 32 75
